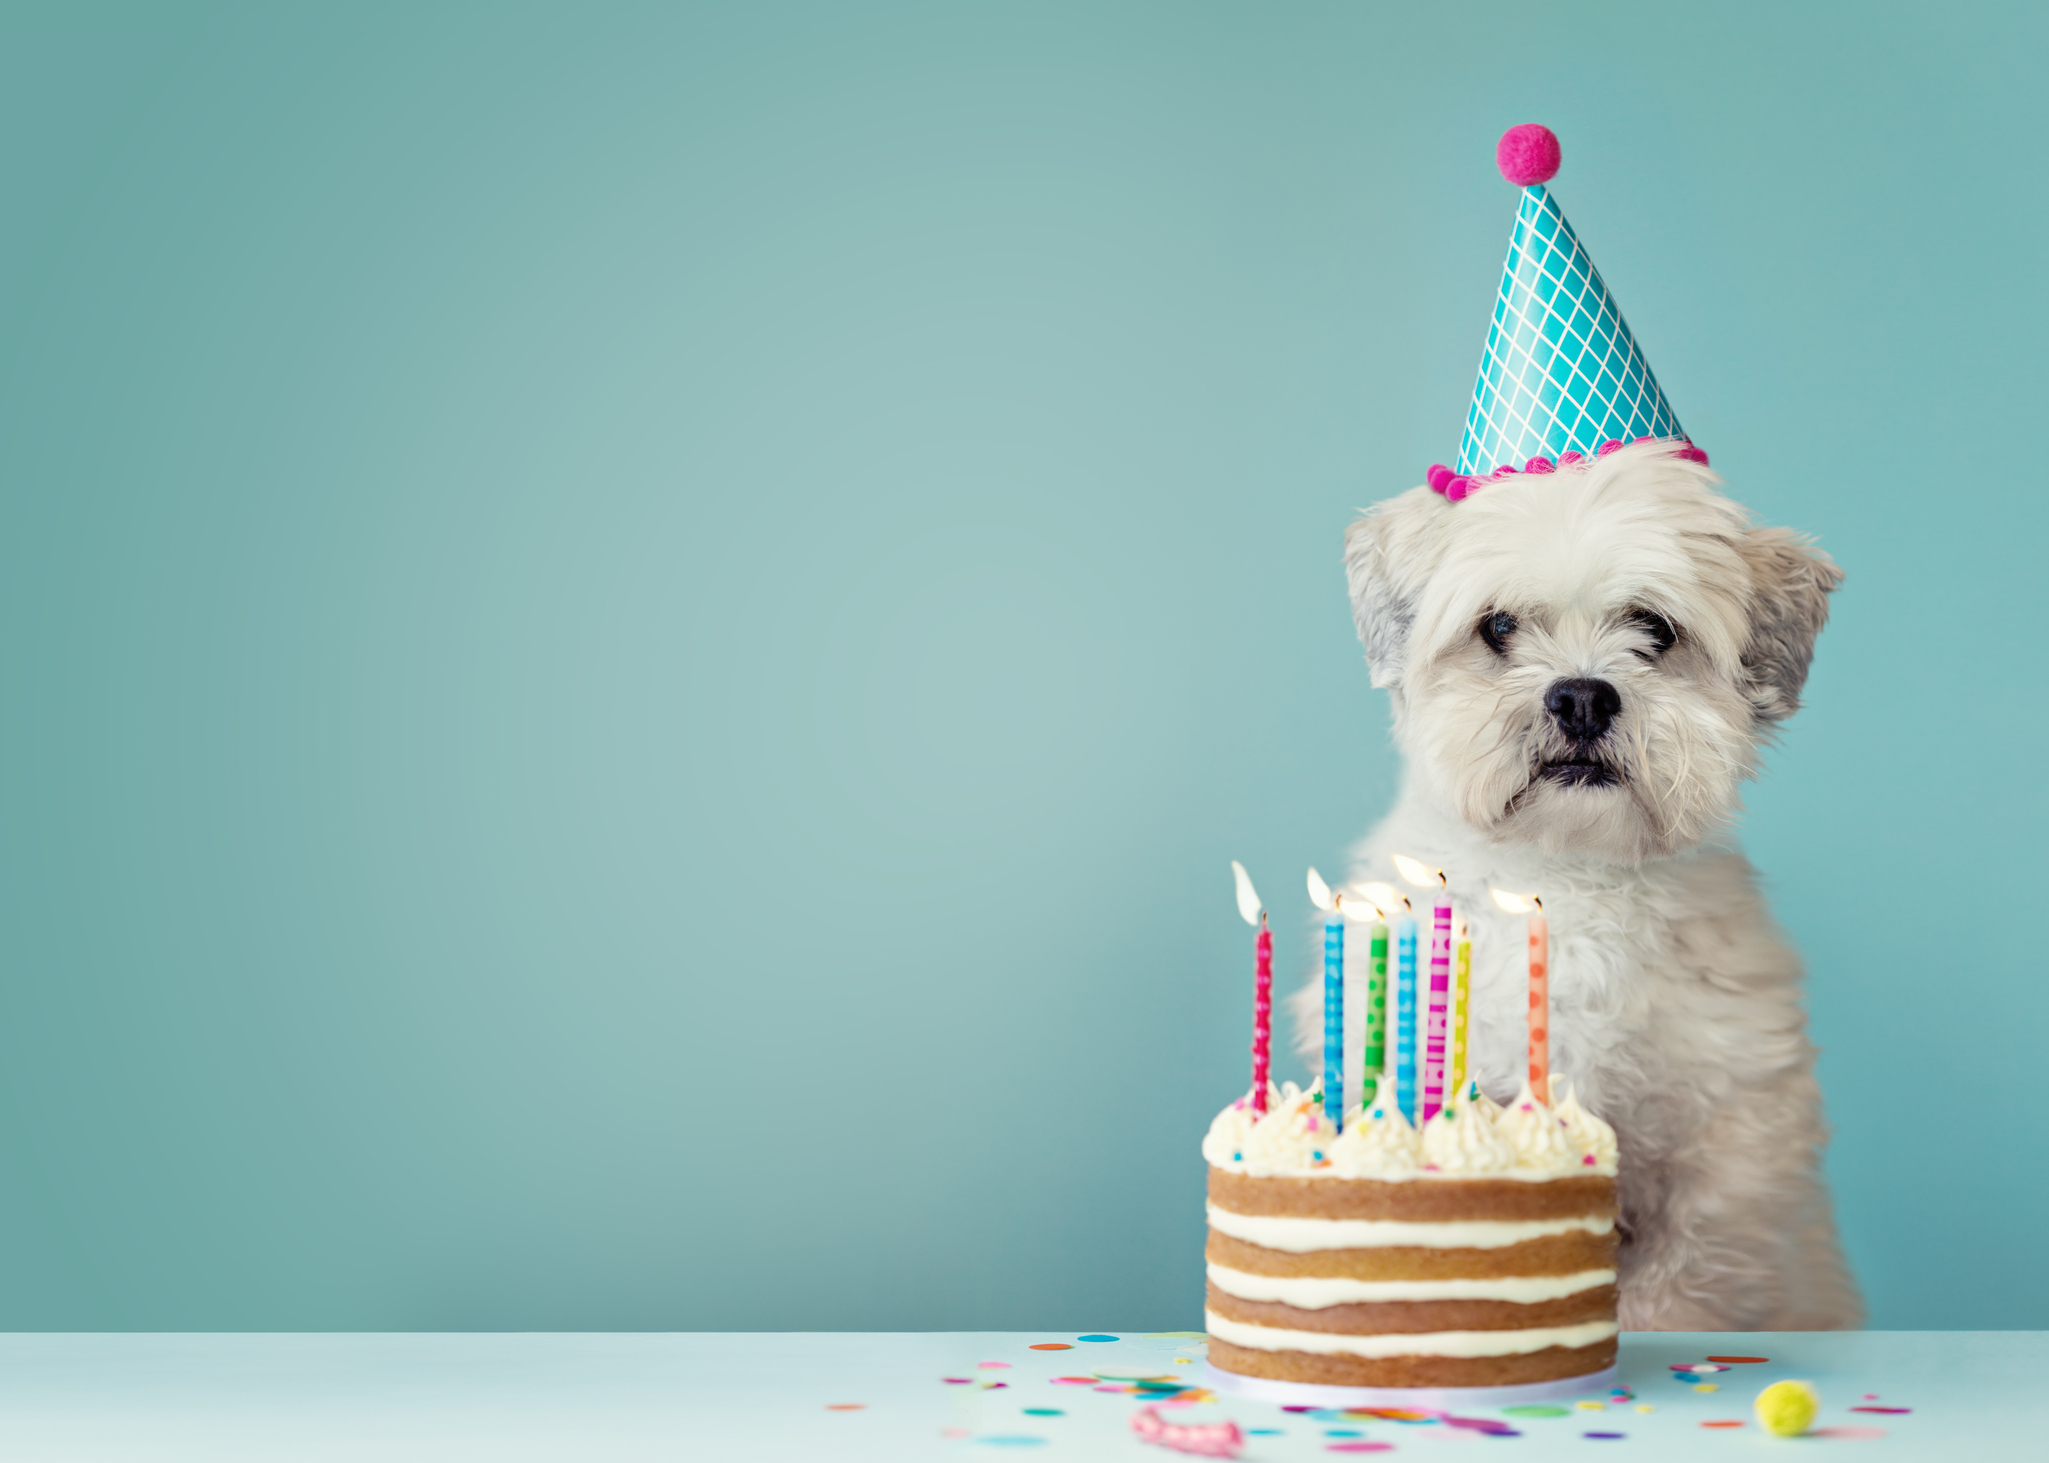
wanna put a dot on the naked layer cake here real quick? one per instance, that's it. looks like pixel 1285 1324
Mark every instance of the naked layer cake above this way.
pixel 1478 1253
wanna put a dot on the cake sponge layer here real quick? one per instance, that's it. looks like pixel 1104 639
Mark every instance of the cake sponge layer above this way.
pixel 1546 1365
pixel 1415 1316
pixel 1420 1200
pixel 1558 1254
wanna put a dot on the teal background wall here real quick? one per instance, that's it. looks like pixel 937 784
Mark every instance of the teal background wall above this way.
pixel 634 639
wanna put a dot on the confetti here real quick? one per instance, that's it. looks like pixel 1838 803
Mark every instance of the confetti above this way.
pixel 1896 1410
pixel 1205 1440
pixel 1360 1447
pixel 986 1364
pixel 956 1381
pixel 1343 1432
pixel 1741 1360
pixel 1592 1406
pixel 1870 1396
pixel 1183 1361
pixel 1049 1346
pixel 953 1432
pixel 1538 1409
pixel 855 1406
pixel 1688 1377
pixel 1095 1336
pixel 1645 1407
pixel 1044 1412
pixel 1723 1422
pixel 1705 1387
pixel 1485 1425
pixel 1848 1433
pixel 1264 1432
pixel 1604 1435
pixel 1066 1381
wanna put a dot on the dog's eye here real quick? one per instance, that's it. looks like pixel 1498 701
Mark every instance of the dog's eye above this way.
pixel 1655 625
pixel 1495 628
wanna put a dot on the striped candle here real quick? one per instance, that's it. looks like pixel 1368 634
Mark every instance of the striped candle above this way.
pixel 1334 1020
pixel 1405 1017
pixel 1461 1003
pixel 1374 1060
pixel 1436 1021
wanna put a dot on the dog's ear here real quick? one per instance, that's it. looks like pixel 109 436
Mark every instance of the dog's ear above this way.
pixel 1389 552
pixel 1790 584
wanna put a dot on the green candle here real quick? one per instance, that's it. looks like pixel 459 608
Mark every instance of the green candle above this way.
pixel 1376 1015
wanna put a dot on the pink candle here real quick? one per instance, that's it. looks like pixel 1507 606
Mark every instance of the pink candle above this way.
pixel 1540 1004
pixel 1262 1012
pixel 1436 1024
pixel 1250 910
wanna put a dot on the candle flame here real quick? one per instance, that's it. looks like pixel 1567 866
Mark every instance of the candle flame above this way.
pixel 1383 896
pixel 1517 903
pixel 1419 874
pixel 1319 892
pixel 1248 897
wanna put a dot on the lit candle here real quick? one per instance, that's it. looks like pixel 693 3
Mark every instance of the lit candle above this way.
pixel 1370 902
pixel 1262 983
pixel 1436 1019
pixel 1405 1016
pixel 1333 1000
pixel 1461 1005
pixel 1540 987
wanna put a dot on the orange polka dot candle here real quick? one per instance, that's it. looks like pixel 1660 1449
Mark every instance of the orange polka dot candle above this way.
pixel 1540 984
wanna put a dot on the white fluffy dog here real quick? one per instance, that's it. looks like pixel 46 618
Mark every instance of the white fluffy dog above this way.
pixel 1583 666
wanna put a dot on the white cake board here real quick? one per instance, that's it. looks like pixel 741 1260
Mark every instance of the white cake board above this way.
pixel 1442 1399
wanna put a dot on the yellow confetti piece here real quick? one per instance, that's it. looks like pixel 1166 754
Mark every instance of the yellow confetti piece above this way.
pixel 1595 1406
pixel 1645 1407
pixel 1705 1387
pixel 1182 1361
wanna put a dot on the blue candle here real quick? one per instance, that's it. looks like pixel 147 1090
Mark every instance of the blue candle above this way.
pixel 1334 1020
pixel 1405 1018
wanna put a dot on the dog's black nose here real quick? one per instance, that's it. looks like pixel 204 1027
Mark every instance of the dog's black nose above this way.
pixel 1584 708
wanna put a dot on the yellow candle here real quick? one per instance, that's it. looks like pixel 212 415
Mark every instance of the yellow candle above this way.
pixel 1461 999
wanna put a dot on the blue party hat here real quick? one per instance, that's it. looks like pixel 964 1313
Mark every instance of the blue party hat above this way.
pixel 1562 378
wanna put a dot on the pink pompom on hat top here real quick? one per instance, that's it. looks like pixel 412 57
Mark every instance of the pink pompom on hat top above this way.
pixel 1528 156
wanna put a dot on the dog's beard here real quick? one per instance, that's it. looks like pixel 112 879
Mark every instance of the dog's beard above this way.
pixel 1664 777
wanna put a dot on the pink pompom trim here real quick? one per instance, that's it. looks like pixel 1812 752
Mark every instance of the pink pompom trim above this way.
pixel 1457 487
pixel 1527 154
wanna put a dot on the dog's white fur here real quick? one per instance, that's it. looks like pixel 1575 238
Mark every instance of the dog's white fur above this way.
pixel 1674 997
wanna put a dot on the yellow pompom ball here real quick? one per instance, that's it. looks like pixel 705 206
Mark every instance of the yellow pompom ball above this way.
pixel 1785 1409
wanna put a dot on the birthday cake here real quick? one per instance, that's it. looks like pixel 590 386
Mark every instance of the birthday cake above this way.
pixel 1478 1252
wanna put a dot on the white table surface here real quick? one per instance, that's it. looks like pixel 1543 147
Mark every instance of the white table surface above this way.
pixel 1982 1397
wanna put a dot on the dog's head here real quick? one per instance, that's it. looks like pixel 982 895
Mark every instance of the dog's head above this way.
pixel 1587 660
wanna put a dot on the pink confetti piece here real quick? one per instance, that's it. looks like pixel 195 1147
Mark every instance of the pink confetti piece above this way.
pixel 985 1365
pixel 1858 1434
pixel 1201 1440
pixel 1365 1446
pixel 1895 1410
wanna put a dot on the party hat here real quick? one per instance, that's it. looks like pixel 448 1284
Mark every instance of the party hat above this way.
pixel 1562 378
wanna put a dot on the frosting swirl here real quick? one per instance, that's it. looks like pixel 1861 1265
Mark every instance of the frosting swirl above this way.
pixel 1594 1138
pixel 1536 1133
pixel 1460 1139
pixel 1377 1143
pixel 1293 1137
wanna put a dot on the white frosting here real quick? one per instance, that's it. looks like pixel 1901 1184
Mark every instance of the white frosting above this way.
pixel 1589 1134
pixel 1293 1138
pixel 1298 1235
pixel 1315 1292
pixel 1425 1343
pixel 1376 1144
pixel 1461 1140
pixel 1540 1140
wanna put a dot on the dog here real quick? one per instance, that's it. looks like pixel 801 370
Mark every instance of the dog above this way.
pixel 1584 666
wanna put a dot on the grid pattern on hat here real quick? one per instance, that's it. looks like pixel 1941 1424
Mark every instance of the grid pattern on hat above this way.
pixel 1561 371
